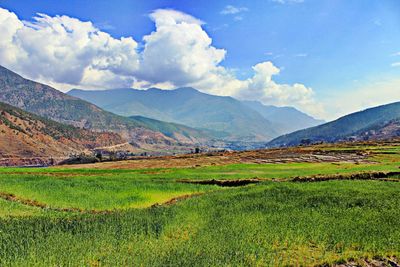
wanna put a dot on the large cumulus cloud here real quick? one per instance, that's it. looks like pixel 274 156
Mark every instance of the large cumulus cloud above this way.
pixel 179 51
pixel 67 52
pixel 262 87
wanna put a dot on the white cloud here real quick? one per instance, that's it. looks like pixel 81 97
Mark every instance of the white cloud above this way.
pixel 104 25
pixel 66 52
pixel 301 55
pixel 179 51
pixel 395 64
pixel 288 1
pixel 170 17
pixel 232 10
pixel 262 87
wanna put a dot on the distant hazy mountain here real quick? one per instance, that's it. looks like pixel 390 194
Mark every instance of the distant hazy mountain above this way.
pixel 27 139
pixel 50 103
pixel 286 119
pixel 375 123
pixel 227 117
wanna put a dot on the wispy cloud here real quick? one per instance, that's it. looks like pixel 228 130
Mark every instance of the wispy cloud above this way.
pixel 301 55
pixel 395 64
pixel 288 1
pixel 377 22
pixel 105 25
pixel 396 54
pixel 238 18
pixel 232 10
pixel 220 27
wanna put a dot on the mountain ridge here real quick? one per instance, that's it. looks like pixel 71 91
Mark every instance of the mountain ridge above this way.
pixel 234 119
pixel 361 125
pixel 28 139
pixel 287 119
pixel 48 102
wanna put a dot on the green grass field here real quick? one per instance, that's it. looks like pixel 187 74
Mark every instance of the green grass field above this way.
pixel 114 220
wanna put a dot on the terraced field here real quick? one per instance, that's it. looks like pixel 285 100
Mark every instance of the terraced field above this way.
pixel 323 205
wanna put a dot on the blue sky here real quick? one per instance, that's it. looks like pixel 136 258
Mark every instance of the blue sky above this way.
pixel 332 46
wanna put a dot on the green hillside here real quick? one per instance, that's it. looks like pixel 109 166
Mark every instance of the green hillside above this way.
pixel 171 129
pixel 350 127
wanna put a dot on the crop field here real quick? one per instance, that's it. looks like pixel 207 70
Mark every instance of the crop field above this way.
pixel 322 205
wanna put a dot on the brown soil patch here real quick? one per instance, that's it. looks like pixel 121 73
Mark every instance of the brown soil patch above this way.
pixel 223 183
pixel 58 174
pixel 263 156
pixel 381 176
pixel 375 262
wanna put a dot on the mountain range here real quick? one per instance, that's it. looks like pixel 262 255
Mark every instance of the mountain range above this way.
pixel 40 124
pixel 285 119
pixel 52 104
pixel 227 117
pixel 382 122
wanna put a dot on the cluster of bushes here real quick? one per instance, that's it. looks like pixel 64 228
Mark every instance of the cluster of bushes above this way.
pixel 80 159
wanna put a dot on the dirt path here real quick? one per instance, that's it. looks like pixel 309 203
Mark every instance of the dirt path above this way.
pixel 113 146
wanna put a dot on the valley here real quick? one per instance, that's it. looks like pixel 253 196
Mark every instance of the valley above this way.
pixel 47 102
pixel 200 133
pixel 214 123
pixel 167 210
pixel 225 118
pixel 126 189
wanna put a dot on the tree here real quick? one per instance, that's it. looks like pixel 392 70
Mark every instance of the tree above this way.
pixel 99 155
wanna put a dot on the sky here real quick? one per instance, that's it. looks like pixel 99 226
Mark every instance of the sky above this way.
pixel 324 57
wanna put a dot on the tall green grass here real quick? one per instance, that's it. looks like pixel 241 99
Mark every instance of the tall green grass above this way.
pixel 268 224
pixel 122 189
pixel 97 192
